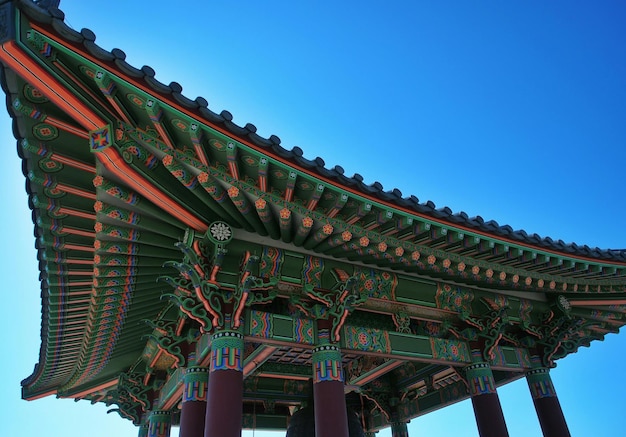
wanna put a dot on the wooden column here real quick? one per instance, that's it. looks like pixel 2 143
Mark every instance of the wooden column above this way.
pixel 224 412
pixel 143 430
pixel 547 403
pixel 159 424
pixel 193 411
pixel 331 416
pixel 399 429
pixel 487 408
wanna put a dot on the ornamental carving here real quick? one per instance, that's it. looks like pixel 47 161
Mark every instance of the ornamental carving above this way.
pixel 454 299
pixel 333 305
pixel 525 312
pixel 169 337
pixel 132 396
pixel 402 322
pixel 197 292
pixel 381 400
pixel 361 366
pixel 490 327
pixel 564 334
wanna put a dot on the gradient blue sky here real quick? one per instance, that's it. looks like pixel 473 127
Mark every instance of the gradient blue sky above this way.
pixel 514 111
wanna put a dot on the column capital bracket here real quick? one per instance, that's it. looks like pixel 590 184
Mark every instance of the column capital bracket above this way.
pixel 333 305
pixel 197 291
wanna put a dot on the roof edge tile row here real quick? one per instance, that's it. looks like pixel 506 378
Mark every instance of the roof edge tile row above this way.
pixel 55 18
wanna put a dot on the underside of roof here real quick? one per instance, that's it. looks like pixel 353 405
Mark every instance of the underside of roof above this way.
pixel 121 168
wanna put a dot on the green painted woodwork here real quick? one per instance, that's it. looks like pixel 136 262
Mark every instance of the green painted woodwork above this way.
pixel 286 370
pixel 409 290
pixel 143 430
pixel 203 347
pixel 431 401
pixel 540 383
pixel 326 360
pixel 159 424
pixel 406 294
pixel 208 291
pixel 511 358
pixel 283 328
pixel 170 342
pixel 264 421
pixel 399 429
pixel 480 379
pixel 171 385
pixel 195 384
pixel 403 344
pixel 132 396
pixel 274 329
pixel 450 263
pixel 227 348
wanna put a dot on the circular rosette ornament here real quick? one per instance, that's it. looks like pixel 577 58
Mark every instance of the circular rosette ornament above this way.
pixel 220 233
pixel 563 304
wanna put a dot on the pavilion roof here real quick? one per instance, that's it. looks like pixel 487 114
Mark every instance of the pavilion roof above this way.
pixel 173 91
pixel 85 341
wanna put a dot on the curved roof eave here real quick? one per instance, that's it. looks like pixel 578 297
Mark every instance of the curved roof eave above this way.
pixel 145 75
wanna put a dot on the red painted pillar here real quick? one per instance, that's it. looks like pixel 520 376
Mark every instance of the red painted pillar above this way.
pixel 224 410
pixel 159 424
pixel 193 411
pixel 331 415
pixel 547 403
pixel 487 408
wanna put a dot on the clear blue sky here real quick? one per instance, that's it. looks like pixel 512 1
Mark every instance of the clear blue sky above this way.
pixel 514 111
